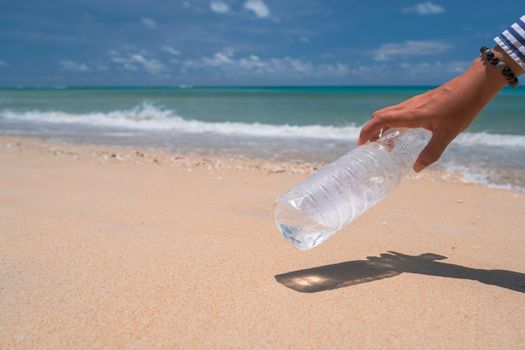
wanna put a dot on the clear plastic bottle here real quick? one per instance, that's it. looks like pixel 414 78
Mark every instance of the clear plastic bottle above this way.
pixel 315 209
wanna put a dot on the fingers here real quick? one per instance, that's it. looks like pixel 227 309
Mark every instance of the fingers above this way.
pixel 384 120
pixel 432 152
pixel 379 134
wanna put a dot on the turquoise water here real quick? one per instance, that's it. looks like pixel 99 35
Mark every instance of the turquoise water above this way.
pixel 300 123
pixel 336 106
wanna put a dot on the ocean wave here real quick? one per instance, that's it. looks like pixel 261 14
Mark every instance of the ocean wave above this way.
pixel 487 139
pixel 151 117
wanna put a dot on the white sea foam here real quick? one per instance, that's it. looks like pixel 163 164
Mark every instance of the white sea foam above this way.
pixel 481 175
pixel 150 117
pixel 486 139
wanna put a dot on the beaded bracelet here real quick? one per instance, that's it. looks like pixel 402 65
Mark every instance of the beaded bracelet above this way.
pixel 488 55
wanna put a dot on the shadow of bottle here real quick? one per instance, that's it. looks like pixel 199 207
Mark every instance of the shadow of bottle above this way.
pixel 391 264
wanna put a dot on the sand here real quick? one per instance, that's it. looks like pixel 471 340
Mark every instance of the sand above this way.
pixel 121 248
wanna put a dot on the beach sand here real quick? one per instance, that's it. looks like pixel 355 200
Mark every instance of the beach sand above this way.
pixel 121 248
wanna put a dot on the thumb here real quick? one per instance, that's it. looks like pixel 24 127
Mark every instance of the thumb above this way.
pixel 431 153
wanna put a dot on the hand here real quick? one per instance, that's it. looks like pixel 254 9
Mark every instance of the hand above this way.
pixel 445 111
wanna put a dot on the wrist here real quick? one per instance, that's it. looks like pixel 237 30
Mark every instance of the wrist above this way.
pixel 484 78
pixel 494 69
pixel 509 61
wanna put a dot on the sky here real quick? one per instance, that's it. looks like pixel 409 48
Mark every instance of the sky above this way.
pixel 244 42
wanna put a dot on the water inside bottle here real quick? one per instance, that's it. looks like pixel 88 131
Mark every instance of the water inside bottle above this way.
pixel 301 240
pixel 301 224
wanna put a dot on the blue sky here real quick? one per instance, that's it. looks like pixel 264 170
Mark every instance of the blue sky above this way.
pixel 243 42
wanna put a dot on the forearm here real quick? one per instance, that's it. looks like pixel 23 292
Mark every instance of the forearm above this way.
pixel 482 80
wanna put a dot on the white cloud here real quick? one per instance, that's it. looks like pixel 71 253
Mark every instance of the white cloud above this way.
pixel 258 7
pixel 150 65
pixel 74 66
pixel 2 63
pixel 134 61
pixel 171 50
pixel 404 72
pixel 148 22
pixel 226 62
pixel 304 39
pixel 219 6
pixel 409 49
pixel 424 8
pixel 426 67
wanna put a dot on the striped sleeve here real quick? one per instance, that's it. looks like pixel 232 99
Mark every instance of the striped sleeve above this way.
pixel 512 40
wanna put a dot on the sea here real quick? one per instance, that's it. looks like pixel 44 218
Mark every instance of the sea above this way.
pixel 299 123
